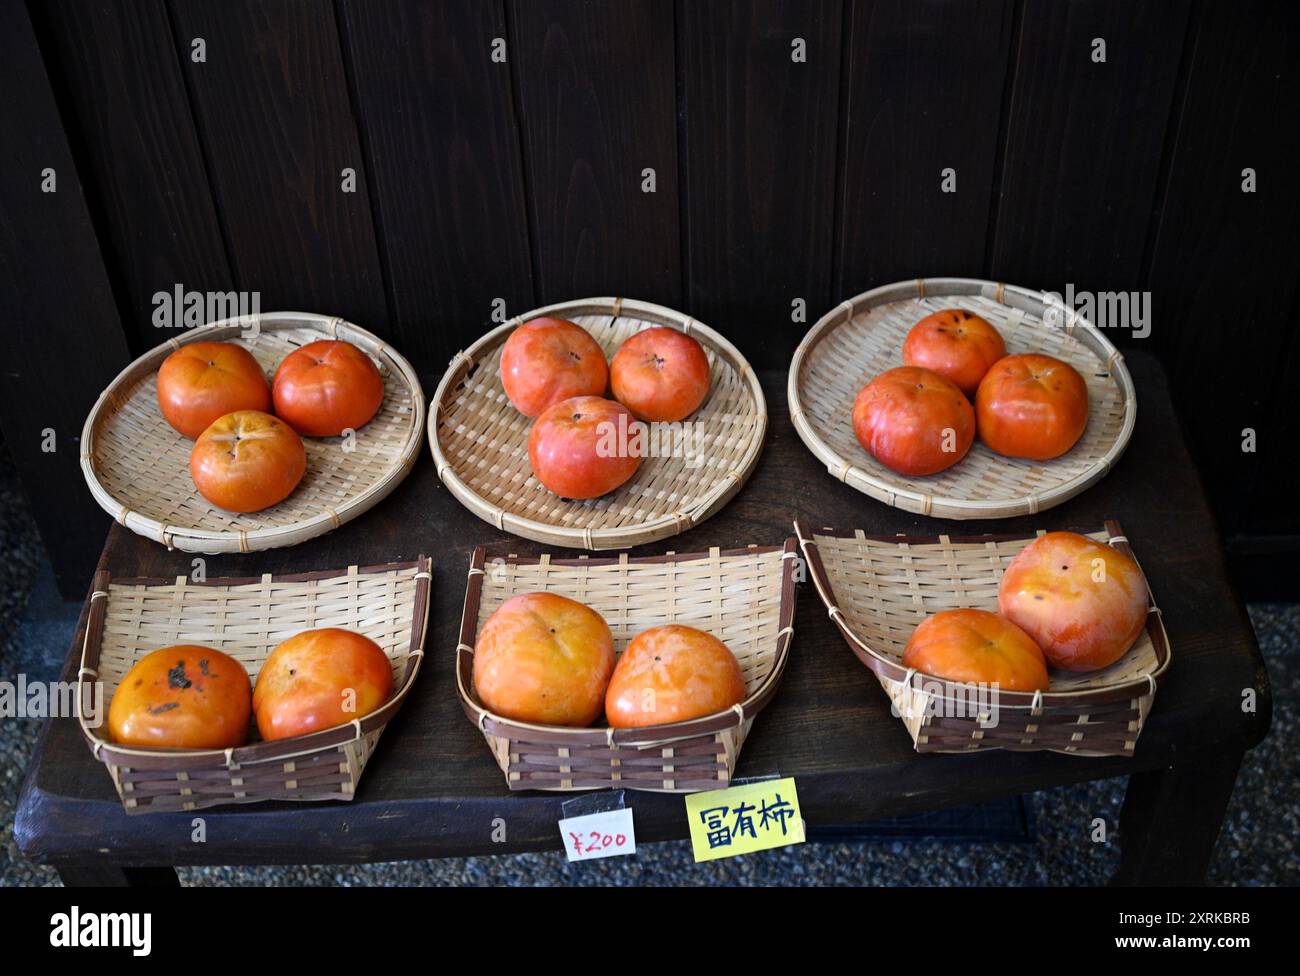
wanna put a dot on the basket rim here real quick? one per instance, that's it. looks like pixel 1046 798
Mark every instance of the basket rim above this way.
pixel 262 751
pixel 887 670
pixel 891 493
pixel 623 536
pixel 189 539
pixel 487 721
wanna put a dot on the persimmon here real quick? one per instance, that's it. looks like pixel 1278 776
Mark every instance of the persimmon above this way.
pixel 1031 406
pixel 914 421
pixel 247 461
pixel 327 387
pixel 1084 602
pixel 544 658
pixel 202 381
pixel 660 374
pixel 549 359
pixel 979 647
pixel 584 447
pixel 182 697
pixel 670 674
pixel 319 679
pixel 956 344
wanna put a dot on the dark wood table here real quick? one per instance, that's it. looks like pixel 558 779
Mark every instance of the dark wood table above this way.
pixel 432 789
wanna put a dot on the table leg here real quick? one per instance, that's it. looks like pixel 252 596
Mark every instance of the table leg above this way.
pixel 95 874
pixel 1171 818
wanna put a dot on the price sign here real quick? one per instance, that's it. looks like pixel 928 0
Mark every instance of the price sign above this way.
pixel 743 819
pixel 605 834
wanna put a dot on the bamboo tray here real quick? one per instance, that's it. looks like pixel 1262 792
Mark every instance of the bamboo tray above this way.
pixel 878 588
pixel 744 597
pixel 137 466
pixel 480 442
pixel 247 618
pixel 863 337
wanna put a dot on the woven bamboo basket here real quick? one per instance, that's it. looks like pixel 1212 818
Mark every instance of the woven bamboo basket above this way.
pixel 878 588
pixel 744 597
pixel 247 618
pixel 138 469
pixel 480 441
pixel 863 337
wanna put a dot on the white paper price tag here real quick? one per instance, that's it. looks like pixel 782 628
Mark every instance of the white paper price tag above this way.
pixel 605 834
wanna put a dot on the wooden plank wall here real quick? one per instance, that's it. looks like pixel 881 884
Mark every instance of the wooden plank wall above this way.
pixel 798 150
pixel 57 309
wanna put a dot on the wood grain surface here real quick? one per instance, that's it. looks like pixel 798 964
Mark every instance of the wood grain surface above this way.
pixel 1225 269
pixel 123 74
pixel 441 139
pixel 597 107
pixel 278 131
pixel 924 93
pixel 1085 140
pixel 758 151
pixel 57 304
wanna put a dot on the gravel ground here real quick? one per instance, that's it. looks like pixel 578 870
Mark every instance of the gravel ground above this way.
pixel 21 560
pixel 1256 846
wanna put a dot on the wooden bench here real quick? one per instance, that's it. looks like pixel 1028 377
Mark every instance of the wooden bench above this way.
pixel 432 789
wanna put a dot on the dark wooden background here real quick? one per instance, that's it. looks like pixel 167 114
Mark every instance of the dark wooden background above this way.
pixel 776 181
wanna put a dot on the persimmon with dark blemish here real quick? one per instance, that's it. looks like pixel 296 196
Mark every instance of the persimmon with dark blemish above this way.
pixel 170 699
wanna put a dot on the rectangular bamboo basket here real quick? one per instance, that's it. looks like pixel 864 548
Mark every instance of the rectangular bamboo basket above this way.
pixel 744 597
pixel 878 588
pixel 247 618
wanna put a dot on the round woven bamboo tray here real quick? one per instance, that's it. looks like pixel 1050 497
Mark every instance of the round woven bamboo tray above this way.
pixel 480 441
pixel 863 337
pixel 138 467
pixel 878 588
pixel 744 597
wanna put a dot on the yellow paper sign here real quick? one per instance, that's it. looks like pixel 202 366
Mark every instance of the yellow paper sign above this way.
pixel 744 819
